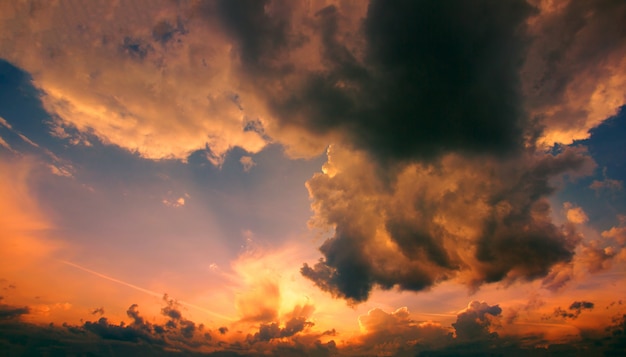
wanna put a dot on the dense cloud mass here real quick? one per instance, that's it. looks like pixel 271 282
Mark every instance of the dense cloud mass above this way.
pixel 430 80
pixel 475 220
pixel 8 312
pixel 453 206
pixel 402 81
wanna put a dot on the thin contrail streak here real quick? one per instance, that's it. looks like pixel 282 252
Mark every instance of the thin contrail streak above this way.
pixel 149 292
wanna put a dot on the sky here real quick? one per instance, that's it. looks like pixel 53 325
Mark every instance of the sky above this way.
pixel 313 178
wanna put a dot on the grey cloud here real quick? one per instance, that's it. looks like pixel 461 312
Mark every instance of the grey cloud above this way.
pixel 176 320
pixel 261 36
pixel 109 331
pixel 8 312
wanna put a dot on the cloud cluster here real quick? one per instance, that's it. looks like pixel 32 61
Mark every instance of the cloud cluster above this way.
pixel 593 255
pixel 176 331
pixel 296 321
pixel 396 332
pixel 442 172
pixel 475 220
pixel 406 81
pixel 383 333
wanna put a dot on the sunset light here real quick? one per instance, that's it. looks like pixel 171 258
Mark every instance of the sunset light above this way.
pixel 313 178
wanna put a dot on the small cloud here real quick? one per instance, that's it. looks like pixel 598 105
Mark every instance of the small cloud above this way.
pixel 4 144
pixel 180 202
pixel 26 139
pixel 60 171
pixel 475 321
pixel 575 214
pixel 247 163
pixel 617 233
pixel 4 123
pixel 574 310
pixel 607 185
pixel 98 311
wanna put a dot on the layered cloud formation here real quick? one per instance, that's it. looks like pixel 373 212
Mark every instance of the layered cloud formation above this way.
pixel 439 113
pixel 447 126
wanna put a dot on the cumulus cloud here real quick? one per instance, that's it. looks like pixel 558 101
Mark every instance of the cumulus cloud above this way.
pixel 176 332
pixel 592 256
pixel 430 185
pixel 575 214
pixel 424 223
pixel 212 75
pixel 475 321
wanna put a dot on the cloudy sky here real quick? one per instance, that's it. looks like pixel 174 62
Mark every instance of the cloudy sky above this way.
pixel 313 177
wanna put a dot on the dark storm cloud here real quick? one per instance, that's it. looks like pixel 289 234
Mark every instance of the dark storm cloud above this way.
pixel 434 77
pixel 407 85
pixel 477 221
pixel 260 36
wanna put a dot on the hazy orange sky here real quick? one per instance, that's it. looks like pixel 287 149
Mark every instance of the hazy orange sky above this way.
pixel 313 177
